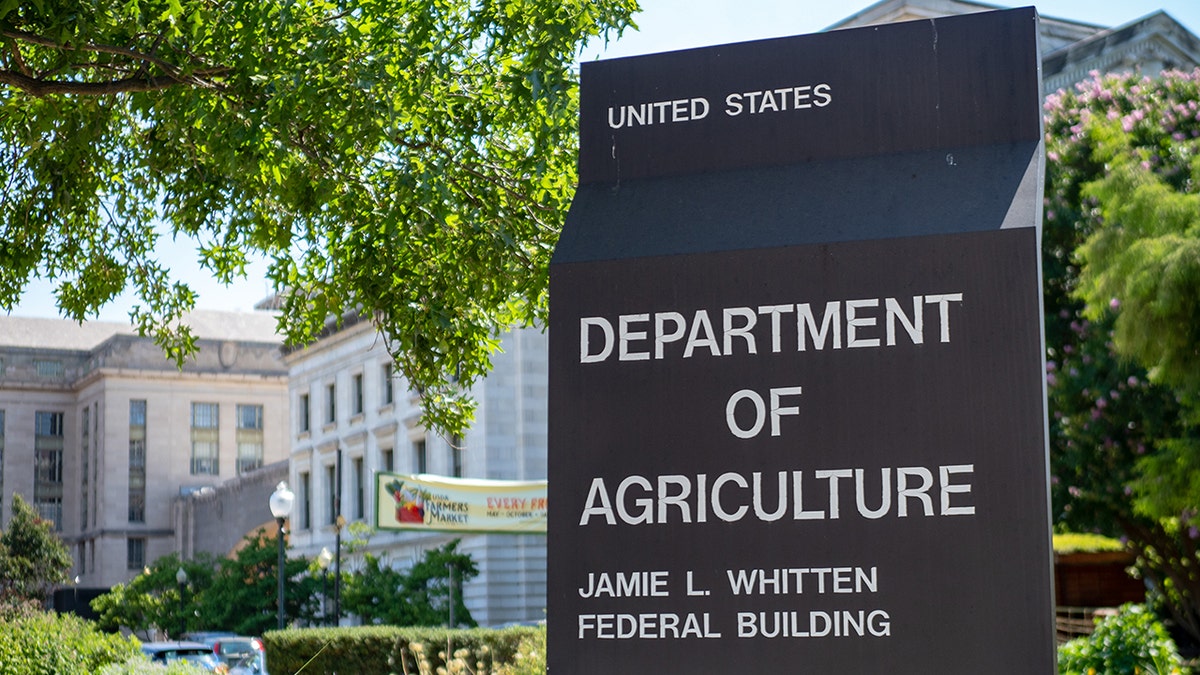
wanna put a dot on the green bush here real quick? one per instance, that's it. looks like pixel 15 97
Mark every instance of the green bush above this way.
pixel 530 658
pixel 1131 642
pixel 140 665
pixel 383 650
pixel 46 643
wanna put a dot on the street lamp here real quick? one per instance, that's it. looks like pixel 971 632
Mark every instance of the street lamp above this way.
pixel 323 560
pixel 181 579
pixel 281 506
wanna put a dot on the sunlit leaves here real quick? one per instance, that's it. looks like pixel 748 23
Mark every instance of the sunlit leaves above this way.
pixel 411 160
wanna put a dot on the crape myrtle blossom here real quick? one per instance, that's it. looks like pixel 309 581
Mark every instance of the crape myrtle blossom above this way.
pixel 1114 430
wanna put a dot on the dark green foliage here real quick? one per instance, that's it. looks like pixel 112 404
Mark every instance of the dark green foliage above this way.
pixel 418 596
pixel 1131 642
pixel 33 560
pixel 236 594
pixel 59 644
pixel 243 596
pixel 152 598
pixel 1123 445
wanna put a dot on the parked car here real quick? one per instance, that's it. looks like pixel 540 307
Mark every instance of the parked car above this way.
pixel 249 665
pixel 195 653
pixel 239 653
pixel 207 636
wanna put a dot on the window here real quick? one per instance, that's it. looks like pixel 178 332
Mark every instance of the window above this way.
pixel 249 437
pixel 96 441
pixel 48 368
pixel 1 464
pixel 135 553
pixel 420 457
pixel 360 498
pixel 387 457
pixel 456 457
pixel 304 413
pixel 85 437
pixel 137 461
pixel 48 470
pixel 330 403
pixel 305 499
pixel 205 443
pixel 356 402
pixel 388 392
pixel 331 494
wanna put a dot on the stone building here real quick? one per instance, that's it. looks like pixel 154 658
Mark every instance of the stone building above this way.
pixel 346 398
pixel 1070 49
pixel 100 432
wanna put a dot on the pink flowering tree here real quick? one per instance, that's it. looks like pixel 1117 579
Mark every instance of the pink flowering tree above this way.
pixel 1122 291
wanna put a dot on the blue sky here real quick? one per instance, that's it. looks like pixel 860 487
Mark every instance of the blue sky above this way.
pixel 663 25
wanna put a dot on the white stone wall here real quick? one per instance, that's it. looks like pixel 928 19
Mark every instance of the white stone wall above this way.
pixel 507 441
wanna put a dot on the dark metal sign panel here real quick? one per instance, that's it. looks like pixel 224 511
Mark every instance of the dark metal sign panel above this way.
pixel 870 91
pixel 797 412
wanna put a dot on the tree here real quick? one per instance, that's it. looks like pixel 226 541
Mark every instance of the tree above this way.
pixel 235 594
pixel 1120 157
pixel 418 596
pixel 407 160
pixel 151 600
pixel 244 596
pixel 33 560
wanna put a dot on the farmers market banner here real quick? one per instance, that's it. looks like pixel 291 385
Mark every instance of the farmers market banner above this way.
pixel 442 503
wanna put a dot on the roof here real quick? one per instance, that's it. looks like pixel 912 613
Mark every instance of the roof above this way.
pixel 1055 32
pixel 1156 39
pixel 69 335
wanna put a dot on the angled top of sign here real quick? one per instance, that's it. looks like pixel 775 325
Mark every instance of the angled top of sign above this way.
pixel 897 88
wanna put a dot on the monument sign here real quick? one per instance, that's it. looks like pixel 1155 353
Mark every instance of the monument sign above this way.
pixel 797 415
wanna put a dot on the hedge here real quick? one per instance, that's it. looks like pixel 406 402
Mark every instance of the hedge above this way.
pixel 383 650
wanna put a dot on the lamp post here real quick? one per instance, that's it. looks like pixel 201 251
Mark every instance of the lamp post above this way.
pixel 323 560
pixel 281 506
pixel 181 578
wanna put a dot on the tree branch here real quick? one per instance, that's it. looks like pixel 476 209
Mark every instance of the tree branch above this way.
pixel 172 71
pixel 42 88
pixel 18 60
pixel 41 41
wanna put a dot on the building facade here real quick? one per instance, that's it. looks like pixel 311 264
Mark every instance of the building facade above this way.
pixel 346 398
pixel 1070 49
pixel 100 432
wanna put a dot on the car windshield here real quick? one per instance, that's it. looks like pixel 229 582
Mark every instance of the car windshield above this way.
pixel 234 648
pixel 202 659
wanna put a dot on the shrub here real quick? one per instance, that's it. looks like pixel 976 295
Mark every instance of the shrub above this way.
pixel 142 666
pixel 530 658
pixel 59 644
pixel 383 650
pixel 1131 642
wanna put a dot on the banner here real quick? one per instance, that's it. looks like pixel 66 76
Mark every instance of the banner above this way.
pixel 445 504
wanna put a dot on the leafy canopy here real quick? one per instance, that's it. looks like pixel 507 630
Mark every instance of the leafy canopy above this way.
pixel 408 160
